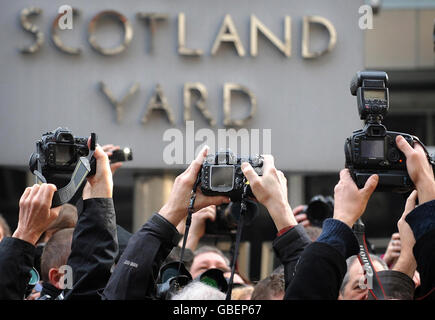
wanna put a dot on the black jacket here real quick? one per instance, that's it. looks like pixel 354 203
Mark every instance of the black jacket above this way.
pixel 50 292
pixel 137 270
pixel 422 223
pixel 93 252
pixel 321 268
pixel 94 249
pixel 288 248
pixel 16 261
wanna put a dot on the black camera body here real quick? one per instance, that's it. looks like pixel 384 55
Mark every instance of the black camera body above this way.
pixel 373 149
pixel 121 155
pixel 221 175
pixel 228 216
pixel 319 209
pixel 57 154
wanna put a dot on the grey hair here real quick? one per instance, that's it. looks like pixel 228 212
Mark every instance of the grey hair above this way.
pixel 351 260
pixel 197 290
pixel 204 249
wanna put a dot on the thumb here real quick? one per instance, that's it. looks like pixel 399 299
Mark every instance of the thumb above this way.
pixel 249 172
pixel 54 213
pixel 99 152
pixel 196 164
pixel 410 203
pixel 404 146
pixel 370 185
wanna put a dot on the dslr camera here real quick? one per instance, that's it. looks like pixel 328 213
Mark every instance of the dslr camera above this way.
pixel 373 149
pixel 228 216
pixel 57 154
pixel 221 175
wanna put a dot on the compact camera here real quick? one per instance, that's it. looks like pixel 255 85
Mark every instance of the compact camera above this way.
pixel 57 154
pixel 121 155
pixel 221 175
pixel 373 149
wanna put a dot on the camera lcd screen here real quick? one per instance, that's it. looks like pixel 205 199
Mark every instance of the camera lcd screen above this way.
pixel 374 94
pixel 372 149
pixel 222 177
pixel 64 154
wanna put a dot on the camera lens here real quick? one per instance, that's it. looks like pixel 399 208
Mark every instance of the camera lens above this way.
pixel 319 209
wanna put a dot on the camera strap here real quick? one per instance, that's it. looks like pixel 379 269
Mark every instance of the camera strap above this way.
pixel 243 208
pixel 189 218
pixel 81 171
pixel 429 158
pixel 372 281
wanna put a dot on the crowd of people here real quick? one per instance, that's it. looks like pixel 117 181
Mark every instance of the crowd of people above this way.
pixel 84 254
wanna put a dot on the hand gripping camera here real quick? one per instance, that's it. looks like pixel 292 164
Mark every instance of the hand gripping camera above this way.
pixel 221 175
pixel 373 149
pixel 63 160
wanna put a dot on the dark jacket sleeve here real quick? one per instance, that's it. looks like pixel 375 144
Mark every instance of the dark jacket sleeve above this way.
pixel 322 265
pixel 288 248
pixel 422 223
pixel 16 261
pixel 93 250
pixel 137 270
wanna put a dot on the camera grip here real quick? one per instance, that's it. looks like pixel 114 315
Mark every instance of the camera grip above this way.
pixel 395 181
pixel 93 164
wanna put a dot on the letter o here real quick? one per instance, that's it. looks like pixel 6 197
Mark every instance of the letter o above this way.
pixel 128 33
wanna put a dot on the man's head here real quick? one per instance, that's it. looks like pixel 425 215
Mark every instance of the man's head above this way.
pixel 197 290
pixel 270 288
pixel 5 231
pixel 350 287
pixel 206 258
pixel 67 218
pixel 55 255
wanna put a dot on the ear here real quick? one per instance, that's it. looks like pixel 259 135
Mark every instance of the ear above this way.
pixel 54 276
pixel 340 296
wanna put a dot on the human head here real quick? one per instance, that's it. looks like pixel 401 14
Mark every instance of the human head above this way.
pixel 5 231
pixel 207 257
pixel 67 219
pixel 197 290
pixel 270 288
pixel 243 292
pixel 350 287
pixel 55 255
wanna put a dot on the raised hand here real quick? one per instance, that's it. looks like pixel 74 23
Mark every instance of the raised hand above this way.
pixel 175 210
pixel 35 214
pixel 270 189
pixel 351 202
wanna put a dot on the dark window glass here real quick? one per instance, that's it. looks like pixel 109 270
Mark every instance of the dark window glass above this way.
pixel 413 124
pixel 12 186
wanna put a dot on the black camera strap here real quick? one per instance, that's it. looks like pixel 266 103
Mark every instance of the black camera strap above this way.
pixel 429 157
pixel 372 281
pixel 243 208
pixel 189 218
pixel 190 210
pixel 81 171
